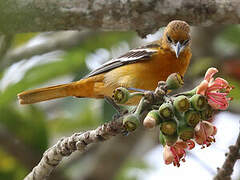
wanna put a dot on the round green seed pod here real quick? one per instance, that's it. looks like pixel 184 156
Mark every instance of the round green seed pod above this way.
pixel 174 81
pixel 168 127
pixel 181 104
pixel 152 119
pixel 185 132
pixel 192 117
pixel 121 95
pixel 199 102
pixel 131 122
pixel 166 111
pixel 207 113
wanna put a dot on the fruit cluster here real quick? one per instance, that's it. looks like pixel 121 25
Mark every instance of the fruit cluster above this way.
pixel 178 119
pixel 183 118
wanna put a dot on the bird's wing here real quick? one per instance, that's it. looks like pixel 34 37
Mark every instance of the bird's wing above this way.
pixel 132 56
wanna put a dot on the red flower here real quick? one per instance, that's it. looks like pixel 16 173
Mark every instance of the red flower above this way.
pixel 216 90
pixel 204 133
pixel 176 153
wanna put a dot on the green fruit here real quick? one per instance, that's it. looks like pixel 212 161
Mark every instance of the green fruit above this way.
pixel 131 122
pixel 192 117
pixel 166 111
pixel 120 95
pixel 174 81
pixel 199 102
pixel 185 132
pixel 168 127
pixel 181 104
pixel 152 119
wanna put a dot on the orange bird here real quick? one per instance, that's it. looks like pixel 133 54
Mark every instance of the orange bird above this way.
pixel 140 68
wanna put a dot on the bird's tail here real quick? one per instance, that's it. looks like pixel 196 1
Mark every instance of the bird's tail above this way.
pixel 82 88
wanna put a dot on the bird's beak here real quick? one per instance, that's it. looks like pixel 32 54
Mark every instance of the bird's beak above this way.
pixel 177 48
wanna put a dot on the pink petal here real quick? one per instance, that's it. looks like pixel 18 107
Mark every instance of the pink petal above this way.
pixel 190 144
pixel 202 87
pixel 214 86
pixel 181 144
pixel 218 94
pixel 210 73
pixel 200 135
pixel 213 104
pixel 168 156
pixel 214 131
pixel 218 98
pixel 220 106
pixel 199 140
pixel 221 81
pixel 209 128
pixel 224 107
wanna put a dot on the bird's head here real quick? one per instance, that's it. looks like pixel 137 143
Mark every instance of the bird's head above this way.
pixel 176 36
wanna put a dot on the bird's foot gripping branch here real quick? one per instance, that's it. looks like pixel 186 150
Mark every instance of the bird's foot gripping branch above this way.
pixel 184 119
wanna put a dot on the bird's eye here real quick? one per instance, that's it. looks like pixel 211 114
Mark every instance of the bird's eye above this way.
pixel 169 39
pixel 185 42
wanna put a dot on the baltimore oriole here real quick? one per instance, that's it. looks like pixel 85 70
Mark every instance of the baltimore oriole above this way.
pixel 140 68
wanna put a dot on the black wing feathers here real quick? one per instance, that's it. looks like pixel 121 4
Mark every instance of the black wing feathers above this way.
pixel 134 55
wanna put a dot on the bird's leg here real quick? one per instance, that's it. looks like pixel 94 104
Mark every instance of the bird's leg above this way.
pixel 136 89
pixel 119 111
pixel 115 106
pixel 147 93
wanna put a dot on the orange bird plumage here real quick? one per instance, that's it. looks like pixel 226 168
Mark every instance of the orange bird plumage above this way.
pixel 140 68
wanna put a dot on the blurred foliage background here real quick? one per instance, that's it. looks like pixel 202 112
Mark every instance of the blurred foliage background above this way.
pixel 39 59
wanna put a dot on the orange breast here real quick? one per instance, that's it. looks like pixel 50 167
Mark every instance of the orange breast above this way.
pixel 146 74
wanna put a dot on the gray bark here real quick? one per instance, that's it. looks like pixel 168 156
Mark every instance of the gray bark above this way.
pixel 144 16
pixel 225 172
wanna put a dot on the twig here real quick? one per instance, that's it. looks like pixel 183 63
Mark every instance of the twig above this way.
pixel 225 172
pixel 78 141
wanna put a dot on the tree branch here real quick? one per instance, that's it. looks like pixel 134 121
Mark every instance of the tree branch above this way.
pixel 225 172
pixel 66 146
pixel 140 15
pixel 121 149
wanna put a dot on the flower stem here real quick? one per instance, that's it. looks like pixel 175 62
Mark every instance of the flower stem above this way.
pixel 136 94
pixel 139 107
pixel 187 93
